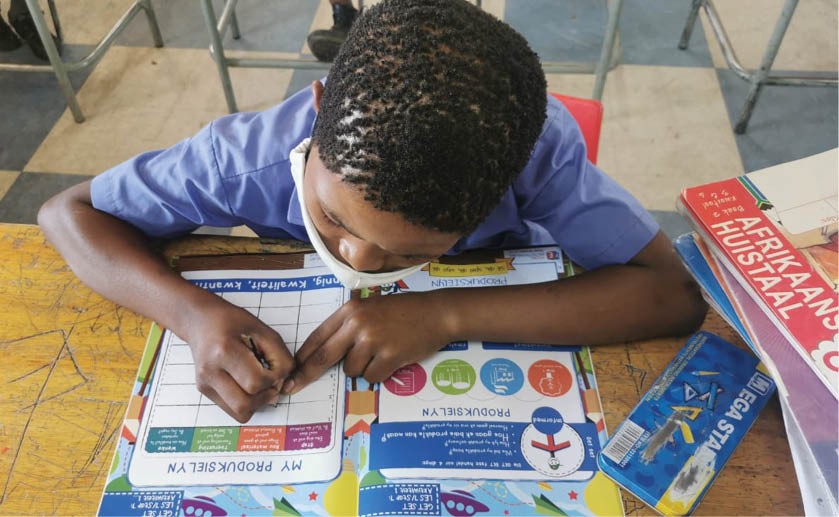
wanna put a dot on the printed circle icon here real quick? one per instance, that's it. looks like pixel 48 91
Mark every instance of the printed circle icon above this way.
pixel 406 381
pixel 549 378
pixel 554 455
pixel 453 376
pixel 547 420
pixel 502 376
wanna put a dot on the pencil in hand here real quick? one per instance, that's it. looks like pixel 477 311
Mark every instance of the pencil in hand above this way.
pixel 256 352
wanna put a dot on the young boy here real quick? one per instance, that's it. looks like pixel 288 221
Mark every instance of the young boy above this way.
pixel 433 134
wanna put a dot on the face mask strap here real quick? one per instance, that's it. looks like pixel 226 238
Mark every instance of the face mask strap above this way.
pixel 345 274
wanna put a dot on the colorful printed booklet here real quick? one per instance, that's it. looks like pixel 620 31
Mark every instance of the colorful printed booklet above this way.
pixel 775 231
pixel 810 410
pixel 478 428
pixel 677 439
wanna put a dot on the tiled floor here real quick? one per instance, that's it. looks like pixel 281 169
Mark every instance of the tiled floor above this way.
pixel 668 113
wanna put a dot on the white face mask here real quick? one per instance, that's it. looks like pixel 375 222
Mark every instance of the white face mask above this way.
pixel 348 276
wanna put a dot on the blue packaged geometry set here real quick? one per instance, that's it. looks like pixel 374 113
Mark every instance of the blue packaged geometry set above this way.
pixel 677 439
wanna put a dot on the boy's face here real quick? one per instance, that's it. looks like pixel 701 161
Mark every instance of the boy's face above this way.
pixel 358 234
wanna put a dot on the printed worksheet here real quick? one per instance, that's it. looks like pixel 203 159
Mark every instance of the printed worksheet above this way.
pixel 479 428
pixel 186 439
pixel 489 410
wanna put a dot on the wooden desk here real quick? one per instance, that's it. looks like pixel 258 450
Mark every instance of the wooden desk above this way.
pixel 70 359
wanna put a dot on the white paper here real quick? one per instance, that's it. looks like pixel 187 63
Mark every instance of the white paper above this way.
pixel 185 439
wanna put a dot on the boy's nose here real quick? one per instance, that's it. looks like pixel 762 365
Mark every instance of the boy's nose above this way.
pixel 360 255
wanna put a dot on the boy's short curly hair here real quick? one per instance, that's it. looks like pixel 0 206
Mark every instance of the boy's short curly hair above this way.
pixel 432 107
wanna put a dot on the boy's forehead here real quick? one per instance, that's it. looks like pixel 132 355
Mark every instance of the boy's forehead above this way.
pixel 346 203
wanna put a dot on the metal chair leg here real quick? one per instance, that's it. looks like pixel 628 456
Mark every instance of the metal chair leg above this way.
pixel 759 78
pixel 615 7
pixel 234 25
pixel 55 60
pixel 152 19
pixel 59 34
pixel 690 24
pixel 218 54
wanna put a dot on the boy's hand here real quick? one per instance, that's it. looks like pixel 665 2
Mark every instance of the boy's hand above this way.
pixel 226 370
pixel 377 335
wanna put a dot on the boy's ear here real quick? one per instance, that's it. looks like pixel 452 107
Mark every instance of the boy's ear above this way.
pixel 317 93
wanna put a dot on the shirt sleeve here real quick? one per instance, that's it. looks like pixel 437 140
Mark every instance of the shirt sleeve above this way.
pixel 167 192
pixel 594 220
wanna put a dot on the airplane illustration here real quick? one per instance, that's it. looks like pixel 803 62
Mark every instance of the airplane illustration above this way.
pixel 551 448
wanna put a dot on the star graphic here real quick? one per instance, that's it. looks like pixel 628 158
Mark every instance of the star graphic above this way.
pixel 573 495
pixel 313 496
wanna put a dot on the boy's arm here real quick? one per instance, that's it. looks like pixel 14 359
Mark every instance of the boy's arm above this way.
pixel 650 296
pixel 113 258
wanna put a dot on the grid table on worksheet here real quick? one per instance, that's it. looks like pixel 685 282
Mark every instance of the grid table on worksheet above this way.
pixel 293 315
pixel 186 439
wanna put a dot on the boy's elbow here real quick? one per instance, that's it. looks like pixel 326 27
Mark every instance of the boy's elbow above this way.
pixel 693 308
pixel 59 210
pixel 48 215
pixel 53 214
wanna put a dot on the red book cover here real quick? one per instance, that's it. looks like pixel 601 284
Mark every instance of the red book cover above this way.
pixel 776 230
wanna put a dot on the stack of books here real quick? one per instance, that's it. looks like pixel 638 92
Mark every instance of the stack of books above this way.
pixel 764 251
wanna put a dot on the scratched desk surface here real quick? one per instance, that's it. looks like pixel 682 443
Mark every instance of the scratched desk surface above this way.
pixel 70 358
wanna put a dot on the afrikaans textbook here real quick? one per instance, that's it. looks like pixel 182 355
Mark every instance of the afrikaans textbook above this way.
pixel 775 231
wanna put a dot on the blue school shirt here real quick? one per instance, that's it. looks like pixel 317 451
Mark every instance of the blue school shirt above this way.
pixel 236 171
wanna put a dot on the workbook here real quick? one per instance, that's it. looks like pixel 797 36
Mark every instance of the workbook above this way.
pixel 775 231
pixel 811 412
pixel 478 428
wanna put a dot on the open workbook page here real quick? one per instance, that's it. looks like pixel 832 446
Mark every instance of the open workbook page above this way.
pixel 478 428
pixel 186 439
